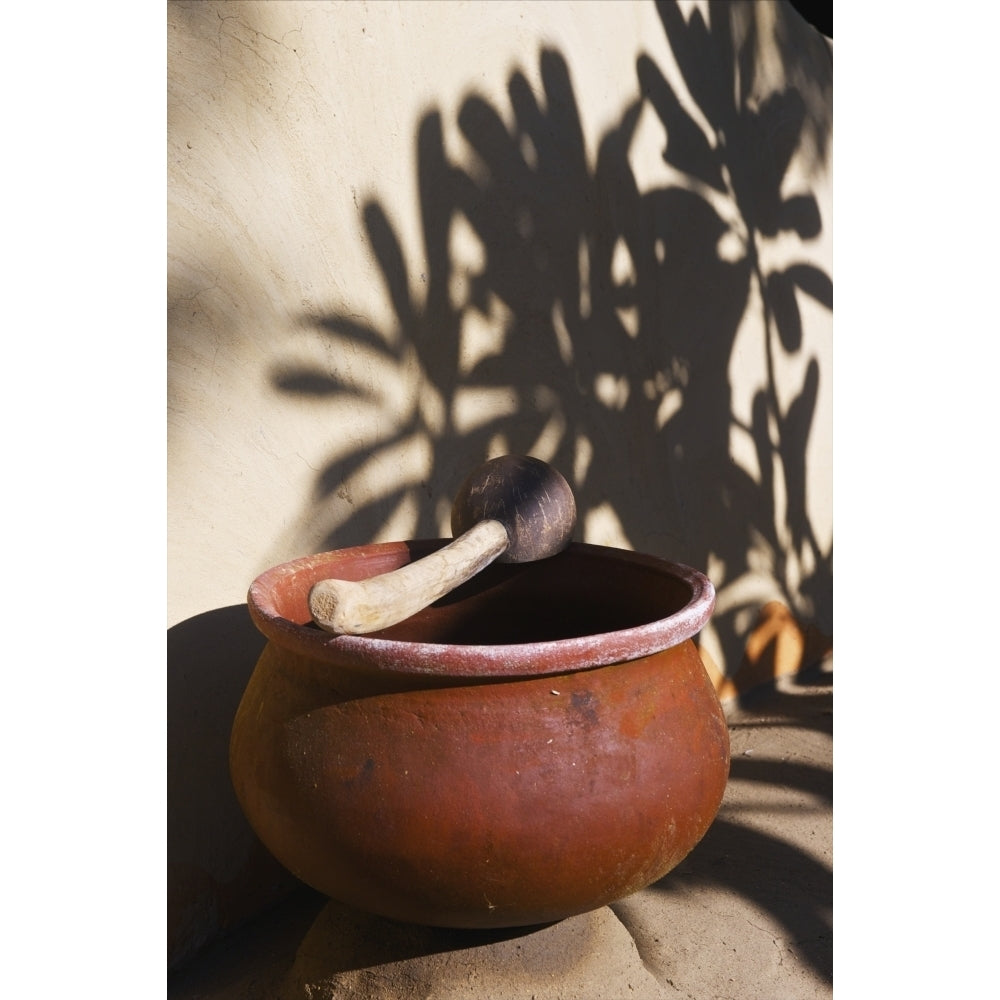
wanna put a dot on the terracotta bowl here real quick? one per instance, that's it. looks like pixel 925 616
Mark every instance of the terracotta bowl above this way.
pixel 539 743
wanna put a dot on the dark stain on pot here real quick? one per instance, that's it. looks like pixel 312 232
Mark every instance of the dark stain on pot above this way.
pixel 363 775
pixel 582 709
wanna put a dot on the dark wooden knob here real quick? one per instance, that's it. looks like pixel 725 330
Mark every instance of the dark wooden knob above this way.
pixel 528 497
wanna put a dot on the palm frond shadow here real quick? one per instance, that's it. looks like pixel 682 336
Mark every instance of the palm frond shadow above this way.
pixel 777 876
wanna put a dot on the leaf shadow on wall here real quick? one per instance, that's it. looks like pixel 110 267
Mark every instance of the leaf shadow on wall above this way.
pixel 568 314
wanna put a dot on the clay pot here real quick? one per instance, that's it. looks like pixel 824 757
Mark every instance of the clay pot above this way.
pixel 539 743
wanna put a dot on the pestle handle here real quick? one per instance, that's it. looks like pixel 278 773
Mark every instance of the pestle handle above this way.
pixel 347 607
pixel 513 508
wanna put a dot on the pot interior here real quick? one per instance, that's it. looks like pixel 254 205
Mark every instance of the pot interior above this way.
pixel 567 596
pixel 584 591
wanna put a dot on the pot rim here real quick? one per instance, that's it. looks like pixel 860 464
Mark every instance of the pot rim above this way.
pixel 534 659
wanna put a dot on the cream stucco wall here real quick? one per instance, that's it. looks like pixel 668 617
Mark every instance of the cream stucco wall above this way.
pixel 405 237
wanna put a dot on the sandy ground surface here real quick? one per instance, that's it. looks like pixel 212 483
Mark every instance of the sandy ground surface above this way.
pixel 746 916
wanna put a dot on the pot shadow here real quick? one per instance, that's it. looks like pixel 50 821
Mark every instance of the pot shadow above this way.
pixel 309 943
pixel 259 952
pixel 218 872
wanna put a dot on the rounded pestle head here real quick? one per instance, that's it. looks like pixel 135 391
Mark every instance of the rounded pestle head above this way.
pixel 528 497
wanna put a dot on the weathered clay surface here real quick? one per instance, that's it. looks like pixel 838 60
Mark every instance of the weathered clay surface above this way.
pixel 497 761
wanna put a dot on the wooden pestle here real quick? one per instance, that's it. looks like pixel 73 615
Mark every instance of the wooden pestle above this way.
pixel 511 509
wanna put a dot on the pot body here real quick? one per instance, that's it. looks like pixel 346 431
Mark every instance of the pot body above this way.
pixel 488 784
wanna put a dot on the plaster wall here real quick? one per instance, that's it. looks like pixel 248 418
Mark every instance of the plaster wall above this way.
pixel 406 237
